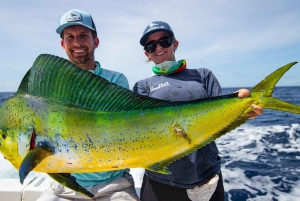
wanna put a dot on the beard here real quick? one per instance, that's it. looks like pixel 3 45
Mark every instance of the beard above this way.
pixel 81 61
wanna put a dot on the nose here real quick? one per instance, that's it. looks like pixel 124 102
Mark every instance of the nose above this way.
pixel 158 45
pixel 77 40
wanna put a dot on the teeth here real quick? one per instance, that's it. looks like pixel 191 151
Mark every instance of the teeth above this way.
pixel 161 53
pixel 78 51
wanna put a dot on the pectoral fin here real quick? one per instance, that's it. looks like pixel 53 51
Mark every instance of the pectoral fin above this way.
pixel 69 181
pixel 33 158
pixel 160 168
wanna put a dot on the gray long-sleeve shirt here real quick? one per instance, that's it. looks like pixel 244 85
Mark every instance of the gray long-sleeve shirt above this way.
pixel 190 84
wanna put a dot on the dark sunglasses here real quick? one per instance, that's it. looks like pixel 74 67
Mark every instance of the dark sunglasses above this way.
pixel 164 42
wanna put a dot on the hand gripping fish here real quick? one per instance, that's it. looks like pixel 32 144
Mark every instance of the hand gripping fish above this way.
pixel 66 120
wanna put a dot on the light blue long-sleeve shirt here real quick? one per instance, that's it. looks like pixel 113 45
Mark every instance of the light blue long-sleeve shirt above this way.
pixel 95 178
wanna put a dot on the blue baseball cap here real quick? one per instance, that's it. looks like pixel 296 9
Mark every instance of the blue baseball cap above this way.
pixel 155 27
pixel 76 17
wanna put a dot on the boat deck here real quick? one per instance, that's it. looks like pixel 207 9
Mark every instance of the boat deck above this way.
pixel 13 190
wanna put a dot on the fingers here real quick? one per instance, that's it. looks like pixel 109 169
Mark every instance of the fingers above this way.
pixel 242 93
pixel 257 110
pixel 252 115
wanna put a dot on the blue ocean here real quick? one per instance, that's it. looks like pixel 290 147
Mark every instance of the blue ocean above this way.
pixel 260 159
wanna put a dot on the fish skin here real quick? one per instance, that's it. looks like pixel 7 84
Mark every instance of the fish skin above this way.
pixel 94 125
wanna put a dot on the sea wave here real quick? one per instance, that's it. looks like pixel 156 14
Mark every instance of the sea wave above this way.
pixel 261 162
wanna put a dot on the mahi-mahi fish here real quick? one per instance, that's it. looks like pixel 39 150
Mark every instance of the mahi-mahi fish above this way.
pixel 64 120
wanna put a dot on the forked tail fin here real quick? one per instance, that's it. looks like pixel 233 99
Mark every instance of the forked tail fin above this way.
pixel 264 90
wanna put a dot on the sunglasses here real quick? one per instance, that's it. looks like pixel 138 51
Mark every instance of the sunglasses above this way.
pixel 164 42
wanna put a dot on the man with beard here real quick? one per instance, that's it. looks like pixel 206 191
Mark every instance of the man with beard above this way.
pixel 79 39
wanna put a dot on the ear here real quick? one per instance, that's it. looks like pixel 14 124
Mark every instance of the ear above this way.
pixel 175 45
pixel 96 42
pixel 146 53
pixel 62 44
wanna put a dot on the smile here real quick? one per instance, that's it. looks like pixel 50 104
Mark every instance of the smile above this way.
pixel 79 51
pixel 161 53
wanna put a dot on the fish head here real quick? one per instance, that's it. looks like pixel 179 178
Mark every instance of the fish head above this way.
pixel 9 146
pixel 16 131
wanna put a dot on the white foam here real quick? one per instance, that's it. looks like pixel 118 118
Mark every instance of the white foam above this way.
pixel 231 147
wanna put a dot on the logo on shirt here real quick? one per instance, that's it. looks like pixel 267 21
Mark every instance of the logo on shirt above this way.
pixel 152 88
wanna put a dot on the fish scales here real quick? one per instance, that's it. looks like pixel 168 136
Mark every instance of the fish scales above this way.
pixel 89 141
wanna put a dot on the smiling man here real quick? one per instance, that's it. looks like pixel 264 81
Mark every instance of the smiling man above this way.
pixel 79 45
pixel 79 39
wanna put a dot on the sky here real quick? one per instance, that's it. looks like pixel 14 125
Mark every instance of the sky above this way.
pixel 241 42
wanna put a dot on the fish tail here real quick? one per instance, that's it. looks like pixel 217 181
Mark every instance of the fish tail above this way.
pixel 276 104
pixel 264 90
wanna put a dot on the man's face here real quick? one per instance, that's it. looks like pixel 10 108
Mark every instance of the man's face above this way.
pixel 79 45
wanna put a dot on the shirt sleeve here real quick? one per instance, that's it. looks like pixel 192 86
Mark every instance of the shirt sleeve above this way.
pixel 212 85
pixel 122 81
pixel 114 77
pixel 139 88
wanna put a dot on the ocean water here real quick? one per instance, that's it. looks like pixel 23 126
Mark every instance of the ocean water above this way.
pixel 260 159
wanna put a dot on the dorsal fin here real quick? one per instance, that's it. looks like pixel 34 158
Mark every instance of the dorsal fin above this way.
pixel 23 87
pixel 59 80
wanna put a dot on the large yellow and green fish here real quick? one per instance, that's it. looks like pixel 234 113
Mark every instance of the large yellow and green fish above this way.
pixel 64 120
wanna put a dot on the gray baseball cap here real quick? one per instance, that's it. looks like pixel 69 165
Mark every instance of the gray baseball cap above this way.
pixel 76 17
pixel 155 27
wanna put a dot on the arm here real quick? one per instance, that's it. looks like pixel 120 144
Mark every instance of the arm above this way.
pixel 214 89
pixel 122 81
pixel 138 88
pixel 212 85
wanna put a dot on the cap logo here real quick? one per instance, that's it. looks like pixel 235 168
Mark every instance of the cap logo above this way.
pixel 73 16
pixel 154 26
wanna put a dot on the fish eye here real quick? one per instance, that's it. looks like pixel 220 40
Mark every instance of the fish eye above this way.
pixel 3 134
